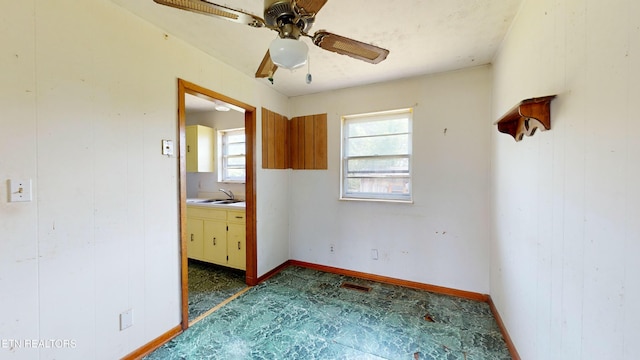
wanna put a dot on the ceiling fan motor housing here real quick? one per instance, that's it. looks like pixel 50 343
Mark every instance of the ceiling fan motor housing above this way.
pixel 276 9
pixel 283 15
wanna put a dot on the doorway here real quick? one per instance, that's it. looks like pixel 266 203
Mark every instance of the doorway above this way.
pixel 185 87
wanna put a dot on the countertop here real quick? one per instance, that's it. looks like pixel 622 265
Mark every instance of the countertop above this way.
pixel 197 203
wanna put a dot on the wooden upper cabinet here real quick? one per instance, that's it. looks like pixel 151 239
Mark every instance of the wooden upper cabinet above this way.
pixel 300 143
pixel 275 127
pixel 309 142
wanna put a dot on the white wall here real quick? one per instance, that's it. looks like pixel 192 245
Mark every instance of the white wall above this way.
pixel 88 91
pixel 566 202
pixel 442 238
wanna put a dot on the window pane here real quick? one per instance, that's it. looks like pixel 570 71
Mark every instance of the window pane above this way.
pixel 379 145
pixel 235 138
pixel 378 127
pixel 235 149
pixel 232 155
pixel 377 155
pixel 236 161
pixel 379 167
pixel 380 186
pixel 235 174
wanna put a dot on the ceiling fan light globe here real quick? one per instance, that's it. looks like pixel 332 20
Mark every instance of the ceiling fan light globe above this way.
pixel 288 53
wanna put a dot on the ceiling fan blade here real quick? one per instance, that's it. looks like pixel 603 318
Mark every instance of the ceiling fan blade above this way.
pixel 219 11
pixel 345 46
pixel 267 68
pixel 311 6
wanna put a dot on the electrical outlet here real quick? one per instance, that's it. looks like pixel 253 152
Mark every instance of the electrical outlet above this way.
pixel 332 248
pixel 126 319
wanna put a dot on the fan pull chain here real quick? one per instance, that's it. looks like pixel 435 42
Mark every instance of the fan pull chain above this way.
pixel 309 78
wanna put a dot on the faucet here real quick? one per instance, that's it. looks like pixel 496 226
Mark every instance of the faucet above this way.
pixel 228 193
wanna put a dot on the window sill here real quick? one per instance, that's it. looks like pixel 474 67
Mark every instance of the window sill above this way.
pixel 396 201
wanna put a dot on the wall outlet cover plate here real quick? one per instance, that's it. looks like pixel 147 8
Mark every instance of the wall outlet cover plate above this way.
pixel 126 319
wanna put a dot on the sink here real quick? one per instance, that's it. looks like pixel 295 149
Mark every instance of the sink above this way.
pixel 213 201
pixel 227 201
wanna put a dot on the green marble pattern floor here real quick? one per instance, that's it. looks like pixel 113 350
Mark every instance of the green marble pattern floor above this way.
pixel 305 314
pixel 210 285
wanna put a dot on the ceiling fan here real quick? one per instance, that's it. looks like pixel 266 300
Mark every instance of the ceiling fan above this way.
pixel 291 19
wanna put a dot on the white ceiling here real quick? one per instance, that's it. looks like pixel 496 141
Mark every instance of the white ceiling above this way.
pixel 423 37
pixel 198 104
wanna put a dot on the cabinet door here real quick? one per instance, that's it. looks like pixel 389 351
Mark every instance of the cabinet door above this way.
pixel 201 142
pixel 192 149
pixel 236 247
pixel 215 241
pixel 194 239
pixel 206 149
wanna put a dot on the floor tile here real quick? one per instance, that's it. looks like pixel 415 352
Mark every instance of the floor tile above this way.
pixel 210 285
pixel 305 314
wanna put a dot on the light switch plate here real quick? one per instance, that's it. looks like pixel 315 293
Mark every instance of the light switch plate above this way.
pixel 167 147
pixel 20 190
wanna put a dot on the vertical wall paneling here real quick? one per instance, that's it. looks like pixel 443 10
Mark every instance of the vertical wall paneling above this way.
pixel 294 142
pixel 84 119
pixel 299 150
pixel 566 249
pixel 274 140
pixel 281 142
pixel 309 147
pixel 442 238
pixel 299 143
pixel 309 158
pixel 287 145
pixel 270 141
pixel 320 141
pixel 265 138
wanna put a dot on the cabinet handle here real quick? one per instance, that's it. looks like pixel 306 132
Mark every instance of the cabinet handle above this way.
pixel 188 148
pixel 214 241
pixel 239 217
pixel 191 237
pixel 238 245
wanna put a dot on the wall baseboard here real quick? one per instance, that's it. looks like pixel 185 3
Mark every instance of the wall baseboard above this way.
pixel 274 271
pixel 154 344
pixel 510 345
pixel 393 281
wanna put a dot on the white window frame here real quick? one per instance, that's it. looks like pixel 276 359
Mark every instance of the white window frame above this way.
pixel 224 157
pixel 405 197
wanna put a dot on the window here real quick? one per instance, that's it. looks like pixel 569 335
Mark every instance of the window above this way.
pixel 232 155
pixel 376 156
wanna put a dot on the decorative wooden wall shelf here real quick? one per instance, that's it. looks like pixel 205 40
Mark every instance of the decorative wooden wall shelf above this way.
pixel 527 117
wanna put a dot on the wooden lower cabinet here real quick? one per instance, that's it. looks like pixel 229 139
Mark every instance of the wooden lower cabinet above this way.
pixel 217 236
